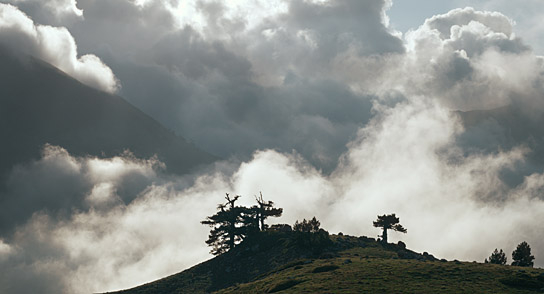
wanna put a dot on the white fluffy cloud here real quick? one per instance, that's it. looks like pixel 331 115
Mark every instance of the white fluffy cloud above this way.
pixel 472 60
pixel 54 45
pixel 308 63
pixel 527 14
pixel 404 161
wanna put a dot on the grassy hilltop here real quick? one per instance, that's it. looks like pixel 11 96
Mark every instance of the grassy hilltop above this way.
pixel 285 262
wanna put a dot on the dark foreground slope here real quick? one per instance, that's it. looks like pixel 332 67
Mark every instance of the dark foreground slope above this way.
pixel 40 104
pixel 279 264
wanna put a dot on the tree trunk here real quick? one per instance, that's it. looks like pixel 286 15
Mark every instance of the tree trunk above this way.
pixel 231 236
pixel 384 236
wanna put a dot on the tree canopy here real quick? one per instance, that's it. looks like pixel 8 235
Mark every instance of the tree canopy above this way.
pixel 497 257
pixel 388 222
pixel 232 223
pixel 309 226
pixel 226 226
pixel 265 209
pixel 522 255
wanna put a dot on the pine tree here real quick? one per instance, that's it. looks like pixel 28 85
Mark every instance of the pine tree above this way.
pixel 388 222
pixel 227 224
pixel 310 226
pixel 522 255
pixel 264 210
pixel 497 257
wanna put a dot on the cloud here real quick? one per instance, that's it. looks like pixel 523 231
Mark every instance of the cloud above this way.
pixel 405 161
pixel 310 76
pixel 526 13
pixel 234 83
pixel 208 92
pixel 471 60
pixel 61 183
pixel 50 11
pixel 54 45
pixel 496 21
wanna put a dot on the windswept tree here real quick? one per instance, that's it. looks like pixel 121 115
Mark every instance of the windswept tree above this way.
pixel 497 257
pixel 522 255
pixel 388 222
pixel 227 226
pixel 264 210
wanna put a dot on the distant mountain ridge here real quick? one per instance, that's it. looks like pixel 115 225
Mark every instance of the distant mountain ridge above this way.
pixel 40 104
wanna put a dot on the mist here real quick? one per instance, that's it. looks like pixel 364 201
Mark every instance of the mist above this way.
pixel 404 162
pixel 327 113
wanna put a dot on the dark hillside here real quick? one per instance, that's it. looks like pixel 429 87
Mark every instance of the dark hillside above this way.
pixel 40 104
pixel 267 254
pixel 280 263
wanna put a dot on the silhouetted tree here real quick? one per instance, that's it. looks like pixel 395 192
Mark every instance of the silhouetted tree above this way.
pixel 227 224
pixel 388 222
pixel 264 210
pixel 522 255
pixel 281 228
pixel 311 226
pixel 497 257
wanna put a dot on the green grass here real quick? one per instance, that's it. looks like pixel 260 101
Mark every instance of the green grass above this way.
pixel 373 270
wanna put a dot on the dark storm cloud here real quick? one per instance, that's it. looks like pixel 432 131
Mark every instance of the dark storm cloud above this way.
pixel 124 28
pixel 311 77
pixel 117 245
pixel 84 213
pixel 339 24
pixel 232 96
pixel 209 94
pixel 58 183
pixel 51 12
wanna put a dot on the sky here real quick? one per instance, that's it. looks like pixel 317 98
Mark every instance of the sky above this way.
pixel 339 109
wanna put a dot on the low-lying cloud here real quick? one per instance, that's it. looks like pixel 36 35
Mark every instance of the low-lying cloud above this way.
pixel 404 161
pixel 370 106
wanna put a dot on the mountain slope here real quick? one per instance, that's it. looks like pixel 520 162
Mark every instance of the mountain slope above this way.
pixel 278 264
pixel 40 104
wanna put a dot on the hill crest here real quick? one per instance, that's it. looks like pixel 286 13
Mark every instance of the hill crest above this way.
pixel 276 262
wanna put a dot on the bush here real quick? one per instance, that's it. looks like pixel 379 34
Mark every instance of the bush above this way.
pixel 325 268
pixel 523 281
pixel 307 226
pixel 317 241
pixel 284 286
